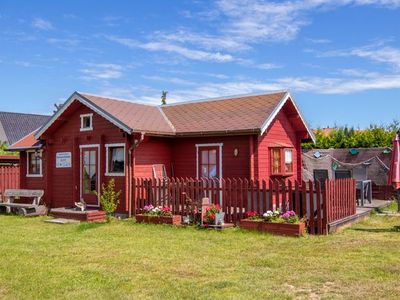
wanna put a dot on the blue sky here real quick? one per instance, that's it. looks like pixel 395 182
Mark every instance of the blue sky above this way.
pixel 340 59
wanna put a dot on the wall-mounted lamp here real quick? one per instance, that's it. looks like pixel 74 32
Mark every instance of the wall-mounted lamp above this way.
pixel 235 152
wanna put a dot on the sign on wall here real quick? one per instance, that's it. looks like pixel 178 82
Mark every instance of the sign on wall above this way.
pixel 63 160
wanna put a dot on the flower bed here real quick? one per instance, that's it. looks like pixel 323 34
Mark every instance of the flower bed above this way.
pixel 172 220
pixel 287 223
pixel 158 215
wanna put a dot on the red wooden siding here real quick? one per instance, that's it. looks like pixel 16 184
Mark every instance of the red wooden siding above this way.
pixel 63 184
pixel 33 183
pixel 279 132
pixel 184 155
pixel 9 178
pixel 150 152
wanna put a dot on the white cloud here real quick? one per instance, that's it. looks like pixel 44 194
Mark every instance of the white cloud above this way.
pixel 42 24
pixel 173 48
pixel 101 71
pixel 269 66
pixel 376 52
pixel 173 80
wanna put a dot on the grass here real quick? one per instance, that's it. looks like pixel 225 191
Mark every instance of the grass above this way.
pixel 127 260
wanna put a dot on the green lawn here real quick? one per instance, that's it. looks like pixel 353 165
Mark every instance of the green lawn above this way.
pixel 127 260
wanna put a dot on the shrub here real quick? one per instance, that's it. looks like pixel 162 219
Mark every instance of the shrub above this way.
pixel 109 198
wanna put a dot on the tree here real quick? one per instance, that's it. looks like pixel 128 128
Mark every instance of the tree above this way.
pixel 164 97
pixel 348 137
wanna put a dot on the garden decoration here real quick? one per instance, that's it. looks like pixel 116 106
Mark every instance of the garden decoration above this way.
pixel 276 222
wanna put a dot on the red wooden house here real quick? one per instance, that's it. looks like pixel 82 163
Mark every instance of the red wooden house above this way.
pixel 92 139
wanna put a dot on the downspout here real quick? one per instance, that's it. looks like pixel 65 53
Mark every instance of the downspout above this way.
pixel 131 162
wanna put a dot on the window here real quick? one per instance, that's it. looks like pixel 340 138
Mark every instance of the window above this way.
pixel 282 161
pixel 86 122
pixel 34 164
pixel 115 159
pixel 208 163
pixel 288 161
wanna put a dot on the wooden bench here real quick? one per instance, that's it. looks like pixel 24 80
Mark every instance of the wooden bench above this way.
pixel 34 209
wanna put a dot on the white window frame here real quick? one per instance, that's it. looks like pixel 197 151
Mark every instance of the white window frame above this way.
pixel 220 157
pixel 91 122
pixel 40 163
pixel 108 146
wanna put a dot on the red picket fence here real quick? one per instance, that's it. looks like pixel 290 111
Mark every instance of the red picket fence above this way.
pixel 340 195
pixel 9 178
pixel 236 196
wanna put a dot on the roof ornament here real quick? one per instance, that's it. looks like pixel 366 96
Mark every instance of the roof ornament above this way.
pixel 164 97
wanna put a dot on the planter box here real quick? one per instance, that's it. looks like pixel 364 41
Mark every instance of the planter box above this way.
pixel 174 220
pixel 250 224
pixel 283 228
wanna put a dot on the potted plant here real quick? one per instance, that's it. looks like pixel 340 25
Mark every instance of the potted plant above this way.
pixel 285 223
pixel 214 216
pixel 252 221
pixel 158 215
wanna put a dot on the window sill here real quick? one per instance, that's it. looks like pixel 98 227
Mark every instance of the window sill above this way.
pixel 115 174
pixel 86 129
pixel 34 175
pixel 282 175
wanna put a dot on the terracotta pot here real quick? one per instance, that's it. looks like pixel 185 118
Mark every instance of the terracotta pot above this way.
pixel 173 220
pixel 287 229
pixel 250 224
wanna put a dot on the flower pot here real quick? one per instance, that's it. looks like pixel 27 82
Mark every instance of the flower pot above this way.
pixel 287 229
pixel 250 224
pixel 219 218
pixel 172 220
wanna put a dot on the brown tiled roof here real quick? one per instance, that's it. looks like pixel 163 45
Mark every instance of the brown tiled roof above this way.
pixel 230 115
pixel 139 117
pixel 27 142
pixel 244 113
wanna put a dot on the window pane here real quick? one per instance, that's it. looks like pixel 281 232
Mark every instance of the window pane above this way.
pixel 288 156
pixel 212 171
pixel 92 157
pixel 86 159
pixel 34 161
pixel 117 160
pixel 204 171
pixel 204 156
pixel 87 122
pixel 212 157
pixel 276 161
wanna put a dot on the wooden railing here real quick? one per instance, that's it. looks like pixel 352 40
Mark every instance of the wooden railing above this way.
pixel 237 196
pixel 340 199
pixel 9 178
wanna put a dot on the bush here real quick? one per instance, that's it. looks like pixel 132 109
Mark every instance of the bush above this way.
pixel 109 198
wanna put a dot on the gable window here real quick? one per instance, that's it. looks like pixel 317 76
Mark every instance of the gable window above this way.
pixel 282 161
pixel 115 156
pixel 86 122
pixel 34 164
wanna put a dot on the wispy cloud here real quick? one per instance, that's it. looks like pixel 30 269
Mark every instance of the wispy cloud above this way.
pixel 174 80
pixel 173 48
pixel 269 66
pixel 42 24
pixel 376 52
pixel 101 71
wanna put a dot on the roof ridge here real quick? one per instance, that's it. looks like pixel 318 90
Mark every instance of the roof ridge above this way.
pixel 118 99
pixel 166 118
pixel 25 114
pixel 238 96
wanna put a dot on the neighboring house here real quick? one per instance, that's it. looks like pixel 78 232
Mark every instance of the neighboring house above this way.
pixel 361 164
pixel 15 126
pixel 92 139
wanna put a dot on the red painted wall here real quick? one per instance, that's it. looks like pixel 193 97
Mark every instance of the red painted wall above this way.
pixel 64 184
pixel 151 151
pixel 32 183
pixel 280 131
pixel 184 155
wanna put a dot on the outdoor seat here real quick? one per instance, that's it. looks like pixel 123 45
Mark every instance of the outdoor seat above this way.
pixel 26 209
